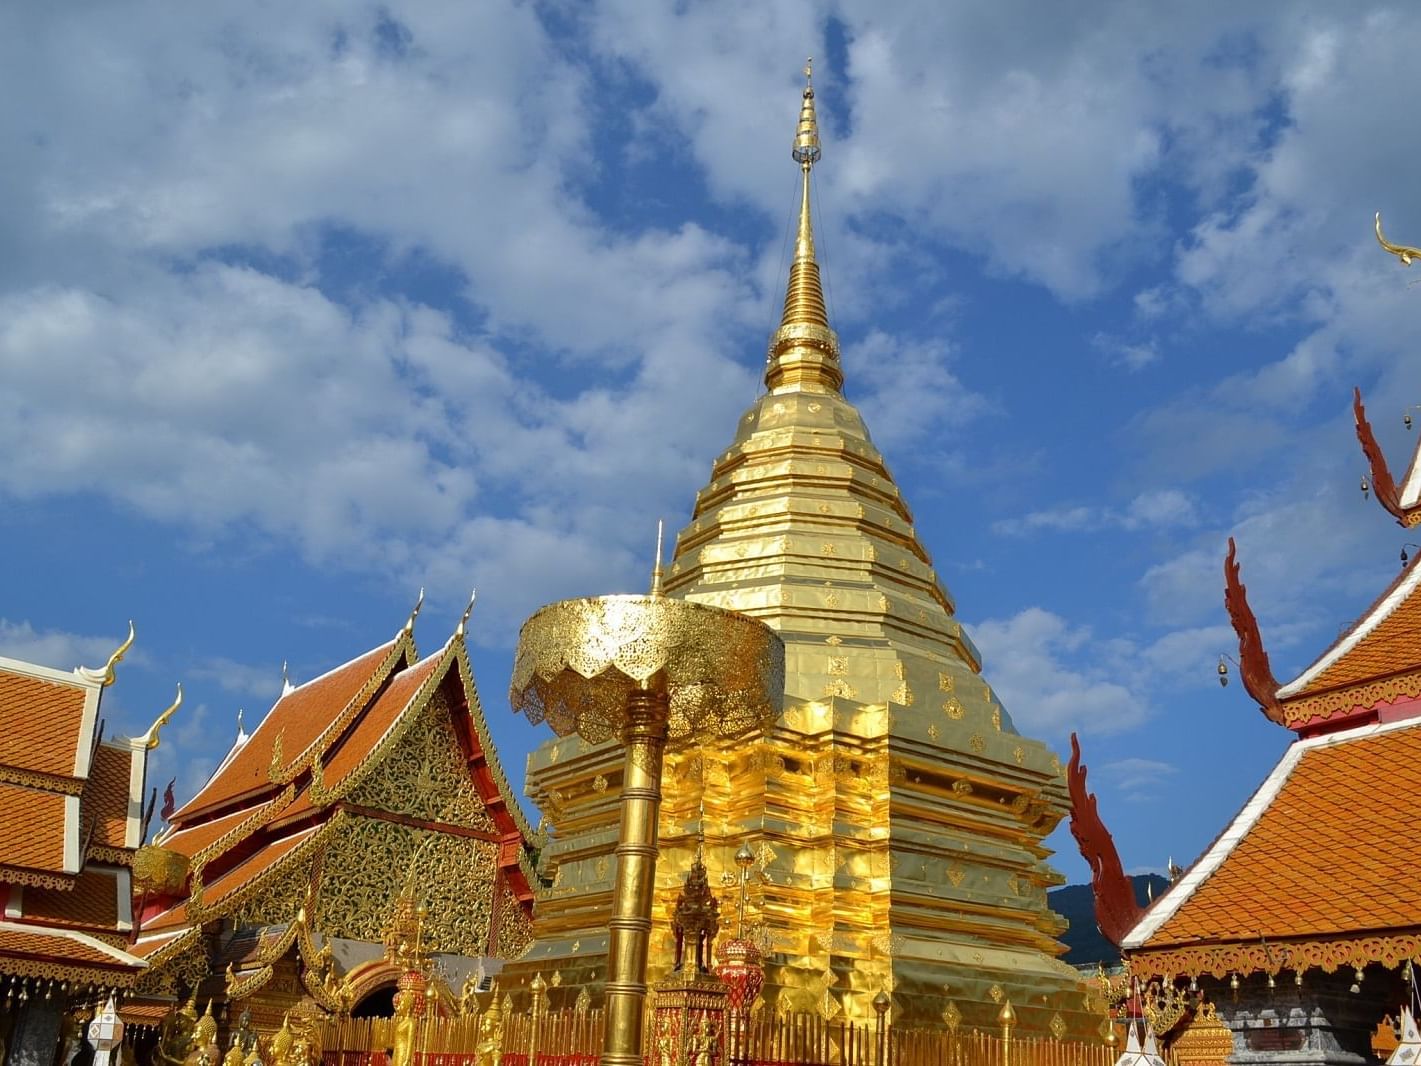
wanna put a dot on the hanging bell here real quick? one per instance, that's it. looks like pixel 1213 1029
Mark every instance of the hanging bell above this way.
pixel 1366 487
pixel 1233 981
pixel 1404 556
pixel 1272 984
pixel 1223 673
pixel 1406 419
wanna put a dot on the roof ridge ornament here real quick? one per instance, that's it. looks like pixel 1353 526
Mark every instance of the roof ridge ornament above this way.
pixel 286 686
pixel 1404 252
pixel 150 738
pixel 105 676
pixel 804 350
pixel 1254 667
pixel 409 622
pixel 468 612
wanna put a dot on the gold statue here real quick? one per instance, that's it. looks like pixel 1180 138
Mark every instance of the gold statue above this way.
pixel 489 1051
pixel 175 1036
pixel 402 1053
pixel 205 1051
pixel 281 1043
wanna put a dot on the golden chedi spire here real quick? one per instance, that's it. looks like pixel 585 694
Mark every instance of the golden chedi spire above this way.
pixel 804 351
pixel 893 812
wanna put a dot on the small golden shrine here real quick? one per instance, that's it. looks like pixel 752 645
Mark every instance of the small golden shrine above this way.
pixel 378 774
pixel 895 815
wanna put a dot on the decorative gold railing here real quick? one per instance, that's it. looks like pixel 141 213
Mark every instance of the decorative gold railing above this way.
pixel 574 1038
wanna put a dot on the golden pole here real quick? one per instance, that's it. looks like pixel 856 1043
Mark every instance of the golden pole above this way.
pixel 539 988
pixel 644 736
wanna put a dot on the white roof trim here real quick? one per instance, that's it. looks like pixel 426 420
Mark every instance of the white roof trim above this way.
pixel 79 938
pixel 70 864
pixel 166 936
pixel 48 673
pixel 125 898
pixel 1410 493
pixel 1378 615
pixel 1170 903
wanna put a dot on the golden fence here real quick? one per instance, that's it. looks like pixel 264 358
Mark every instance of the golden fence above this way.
pixel 574 1038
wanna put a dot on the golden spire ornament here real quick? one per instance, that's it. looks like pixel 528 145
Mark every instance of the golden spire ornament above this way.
pixel 804 351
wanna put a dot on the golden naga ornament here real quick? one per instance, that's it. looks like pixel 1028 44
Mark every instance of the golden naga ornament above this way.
pixel 1404 252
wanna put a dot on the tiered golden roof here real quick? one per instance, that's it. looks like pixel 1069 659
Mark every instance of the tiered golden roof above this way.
pixel 895 813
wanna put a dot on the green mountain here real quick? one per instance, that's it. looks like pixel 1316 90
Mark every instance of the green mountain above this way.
pixel 1076 904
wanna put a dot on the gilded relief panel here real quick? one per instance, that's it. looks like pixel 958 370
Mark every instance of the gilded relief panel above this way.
pixel 370 861
pixel 425 775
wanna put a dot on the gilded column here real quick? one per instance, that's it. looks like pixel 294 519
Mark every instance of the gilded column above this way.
pixel 644 737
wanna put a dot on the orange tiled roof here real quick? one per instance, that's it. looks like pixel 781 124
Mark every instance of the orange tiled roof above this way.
pixel 91 904
pixel 1386 640
pixel 143 1013
pixel 32 829
pixel 106 796
pixel 200 835
pixel 61 948
pixel 40 722
pixel 233 880
pixel 372 726
pixel 298 718
pixel 1326 854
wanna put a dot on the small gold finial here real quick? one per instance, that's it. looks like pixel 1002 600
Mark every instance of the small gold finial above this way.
pixel 468 611
pixel 409 622
pixel 806 150
pixel 656 571
pixel 1404 252
pixel 150 738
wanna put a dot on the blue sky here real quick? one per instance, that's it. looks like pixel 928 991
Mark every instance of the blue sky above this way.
pixel 303 309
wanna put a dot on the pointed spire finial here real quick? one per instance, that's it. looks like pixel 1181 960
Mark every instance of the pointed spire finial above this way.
pixel 656 569
pixel 804 351
pixel 286 686
pixel 469 610
pixel 409 622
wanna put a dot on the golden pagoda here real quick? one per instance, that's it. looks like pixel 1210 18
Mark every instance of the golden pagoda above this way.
pixel 896 815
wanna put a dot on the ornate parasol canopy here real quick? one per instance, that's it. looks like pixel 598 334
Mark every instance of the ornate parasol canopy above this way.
pixel 578 661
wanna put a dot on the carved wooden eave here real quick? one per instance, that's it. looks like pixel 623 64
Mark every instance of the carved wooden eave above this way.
pixel 1256 671
pixel 1116 909
pixel 1402 503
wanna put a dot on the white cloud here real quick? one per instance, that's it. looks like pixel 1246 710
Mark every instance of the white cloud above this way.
pixel 915 395
pixel 1137 778
pixel 1132 356
pixel 1016 135
pixel 243 679
pixel 1051 679
pixel 1154 509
